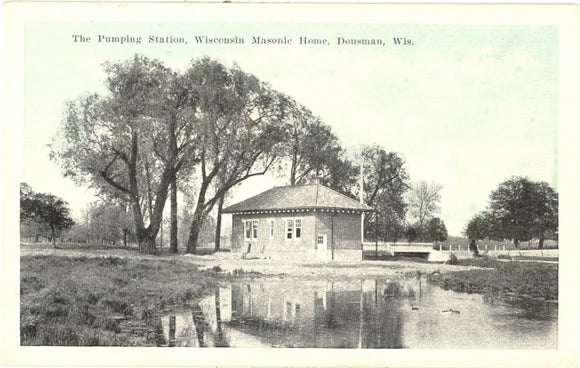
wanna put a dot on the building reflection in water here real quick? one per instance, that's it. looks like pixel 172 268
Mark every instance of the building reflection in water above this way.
pixel 337 314
pixel 402 313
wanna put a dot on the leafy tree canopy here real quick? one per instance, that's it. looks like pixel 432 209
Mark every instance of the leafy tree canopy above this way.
pixel 385 182
pixel 519 209
pixel 424 201
pixel 46 209
pixel 435 230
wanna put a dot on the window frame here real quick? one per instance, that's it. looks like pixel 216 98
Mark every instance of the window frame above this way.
pixel 291 230
pixel 255 224
pixel 251 225
pixel 287 228
pixel 297 236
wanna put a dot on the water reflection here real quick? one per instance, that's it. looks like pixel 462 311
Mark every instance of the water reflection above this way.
pixel 402 313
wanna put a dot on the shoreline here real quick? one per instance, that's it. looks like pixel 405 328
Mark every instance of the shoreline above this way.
pixel 232 263
pixel 106 290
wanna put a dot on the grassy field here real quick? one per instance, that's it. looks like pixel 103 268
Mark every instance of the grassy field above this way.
pixel 81 301
pixel 518 277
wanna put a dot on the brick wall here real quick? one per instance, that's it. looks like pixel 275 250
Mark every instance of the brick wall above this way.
pixel 265 244
pixel 341 228
pixel 346 229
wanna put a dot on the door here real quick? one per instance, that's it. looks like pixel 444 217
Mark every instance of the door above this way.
pixel 321 247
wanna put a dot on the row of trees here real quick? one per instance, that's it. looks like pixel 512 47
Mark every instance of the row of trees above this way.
pixel 520 210
pixel 156 130
pixel 110 224
pixel 202 132
pixel 403 209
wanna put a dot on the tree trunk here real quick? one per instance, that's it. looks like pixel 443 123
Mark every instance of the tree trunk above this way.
pixel 125 238
pixel 541 242
pixel 376 235
pixel 293 170
pixel 88 231
pixel 146 243
pixel 194 232
pixel 146 235
pixel 53 235
pixel 517 243
pixel 218 226
pixel 197 220
pixel 145 238
pixel 173 229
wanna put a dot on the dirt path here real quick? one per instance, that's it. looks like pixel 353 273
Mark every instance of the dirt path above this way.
pixel 232 263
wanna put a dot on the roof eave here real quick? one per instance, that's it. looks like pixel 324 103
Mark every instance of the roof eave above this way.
pixel 297 209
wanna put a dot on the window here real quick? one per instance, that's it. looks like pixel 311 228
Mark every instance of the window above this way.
pixel 289 228
pixel 293 229
pixel 255 229
pixel 271 229
pixel 251 229
pixel 297 228
pixel 248 229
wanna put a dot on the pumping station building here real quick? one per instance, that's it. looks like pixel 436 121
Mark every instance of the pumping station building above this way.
pixel 305 222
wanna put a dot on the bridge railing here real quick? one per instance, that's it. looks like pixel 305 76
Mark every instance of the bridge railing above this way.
pixel 391 248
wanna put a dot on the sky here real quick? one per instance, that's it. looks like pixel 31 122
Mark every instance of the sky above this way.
pixel 467 106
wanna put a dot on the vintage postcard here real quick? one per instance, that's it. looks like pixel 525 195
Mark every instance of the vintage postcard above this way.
pixel 290 184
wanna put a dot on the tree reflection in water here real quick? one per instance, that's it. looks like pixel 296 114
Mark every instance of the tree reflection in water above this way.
pixel 376 314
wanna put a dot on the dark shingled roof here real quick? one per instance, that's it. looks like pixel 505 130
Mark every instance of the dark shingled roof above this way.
pixel 297 197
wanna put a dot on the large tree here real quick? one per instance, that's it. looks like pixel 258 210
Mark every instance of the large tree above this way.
pixel 424 201
pixel 132 140
pixel 311 147
pixel 524 209
pixel 46 209
pixel 387 222
pixel 239 129
pixel 435 230
pixel 478 227
pixel 385 181
pixel 545 223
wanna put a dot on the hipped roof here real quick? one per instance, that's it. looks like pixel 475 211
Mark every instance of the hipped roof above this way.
pixel 298 197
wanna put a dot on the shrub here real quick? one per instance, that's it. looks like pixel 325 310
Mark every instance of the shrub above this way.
pixel 452 259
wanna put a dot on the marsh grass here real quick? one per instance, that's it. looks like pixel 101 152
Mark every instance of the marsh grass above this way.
pixel 81 301
pixel 529 279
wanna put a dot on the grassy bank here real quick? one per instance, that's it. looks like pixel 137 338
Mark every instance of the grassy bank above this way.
pixel 82 301
pixel 530 279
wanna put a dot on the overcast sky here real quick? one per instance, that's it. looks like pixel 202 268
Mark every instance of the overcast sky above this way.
pixel 467 106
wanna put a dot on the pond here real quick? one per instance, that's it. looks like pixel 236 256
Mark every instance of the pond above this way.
pixel 378 313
